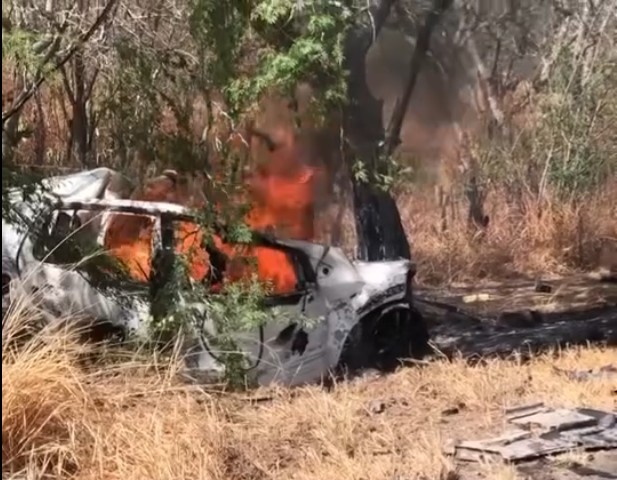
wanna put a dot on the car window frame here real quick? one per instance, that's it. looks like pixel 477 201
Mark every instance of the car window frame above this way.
pixel 304 273
pixel 44 220
pixel 42 230
pixel 160 245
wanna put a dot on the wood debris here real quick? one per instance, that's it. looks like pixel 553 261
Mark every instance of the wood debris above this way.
pixel 540 431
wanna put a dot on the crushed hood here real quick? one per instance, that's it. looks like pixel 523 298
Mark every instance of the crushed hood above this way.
pixel 84 185
pixel 78 186
pixel 387 279
pixel 383 274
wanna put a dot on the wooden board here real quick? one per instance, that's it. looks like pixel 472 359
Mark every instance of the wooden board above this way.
pixel 541 431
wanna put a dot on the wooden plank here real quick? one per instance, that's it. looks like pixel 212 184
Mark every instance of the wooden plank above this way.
pixel 560 430
pixel 555 420
pixel 518 412
pixel 531 448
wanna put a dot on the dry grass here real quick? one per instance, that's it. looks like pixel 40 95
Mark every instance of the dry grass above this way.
pixel 525 237
pixel 130 419
pixel 552 238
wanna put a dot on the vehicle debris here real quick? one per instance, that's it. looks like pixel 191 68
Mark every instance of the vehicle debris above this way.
pixel 361 314
pixel 540 431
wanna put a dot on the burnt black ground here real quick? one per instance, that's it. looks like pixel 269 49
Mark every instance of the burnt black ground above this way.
pixel 507 318
pixel 502 319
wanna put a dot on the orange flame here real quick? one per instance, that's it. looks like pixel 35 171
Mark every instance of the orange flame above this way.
pixel 281 192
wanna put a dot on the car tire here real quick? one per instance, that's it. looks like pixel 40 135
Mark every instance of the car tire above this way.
pixel 383 340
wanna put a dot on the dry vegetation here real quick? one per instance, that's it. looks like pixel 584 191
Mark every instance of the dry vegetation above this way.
pixel 128 418
pixel 534 237
pixel 543 238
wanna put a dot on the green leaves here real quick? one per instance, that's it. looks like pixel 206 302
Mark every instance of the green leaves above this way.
pixel 18 46
pixel 239 232
pixel 390 174
pixel 218 28
pixel 274 11
pixel 302 42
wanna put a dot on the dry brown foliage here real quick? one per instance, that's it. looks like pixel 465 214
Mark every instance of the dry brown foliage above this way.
pixel 128 418
pixel 536 238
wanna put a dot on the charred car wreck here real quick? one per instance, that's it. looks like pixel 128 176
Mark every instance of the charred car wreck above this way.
pixel 361 314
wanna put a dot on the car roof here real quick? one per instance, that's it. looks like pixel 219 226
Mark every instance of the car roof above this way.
pixel 137 207
pixel 140 207
pixel 178 212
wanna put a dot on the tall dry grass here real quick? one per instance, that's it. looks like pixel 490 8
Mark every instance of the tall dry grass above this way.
pixel 533 237
pixel 123 416
pixel 126 417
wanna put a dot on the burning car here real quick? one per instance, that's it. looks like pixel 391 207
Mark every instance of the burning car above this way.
pixel 360 314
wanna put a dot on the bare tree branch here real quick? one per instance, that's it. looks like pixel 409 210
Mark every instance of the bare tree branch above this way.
pixel 417 58
pixel 67 85
pixel 92 82
pixel 28 92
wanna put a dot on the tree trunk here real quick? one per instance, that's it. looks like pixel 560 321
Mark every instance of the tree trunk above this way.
pixel 80 122
pixel 379 229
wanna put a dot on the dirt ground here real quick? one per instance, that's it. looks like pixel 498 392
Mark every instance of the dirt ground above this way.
pixel 498 318
pixel 490 298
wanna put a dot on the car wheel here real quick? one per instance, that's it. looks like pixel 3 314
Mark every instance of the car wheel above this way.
pixel 396 336
pixel 384 339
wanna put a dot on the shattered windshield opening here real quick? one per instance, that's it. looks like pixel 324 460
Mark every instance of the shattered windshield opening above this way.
pixel 70 238
pixel 214 262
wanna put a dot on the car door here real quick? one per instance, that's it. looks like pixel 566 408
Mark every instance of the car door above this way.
pixel 294 339
pixel 289 346
pixel 49 261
